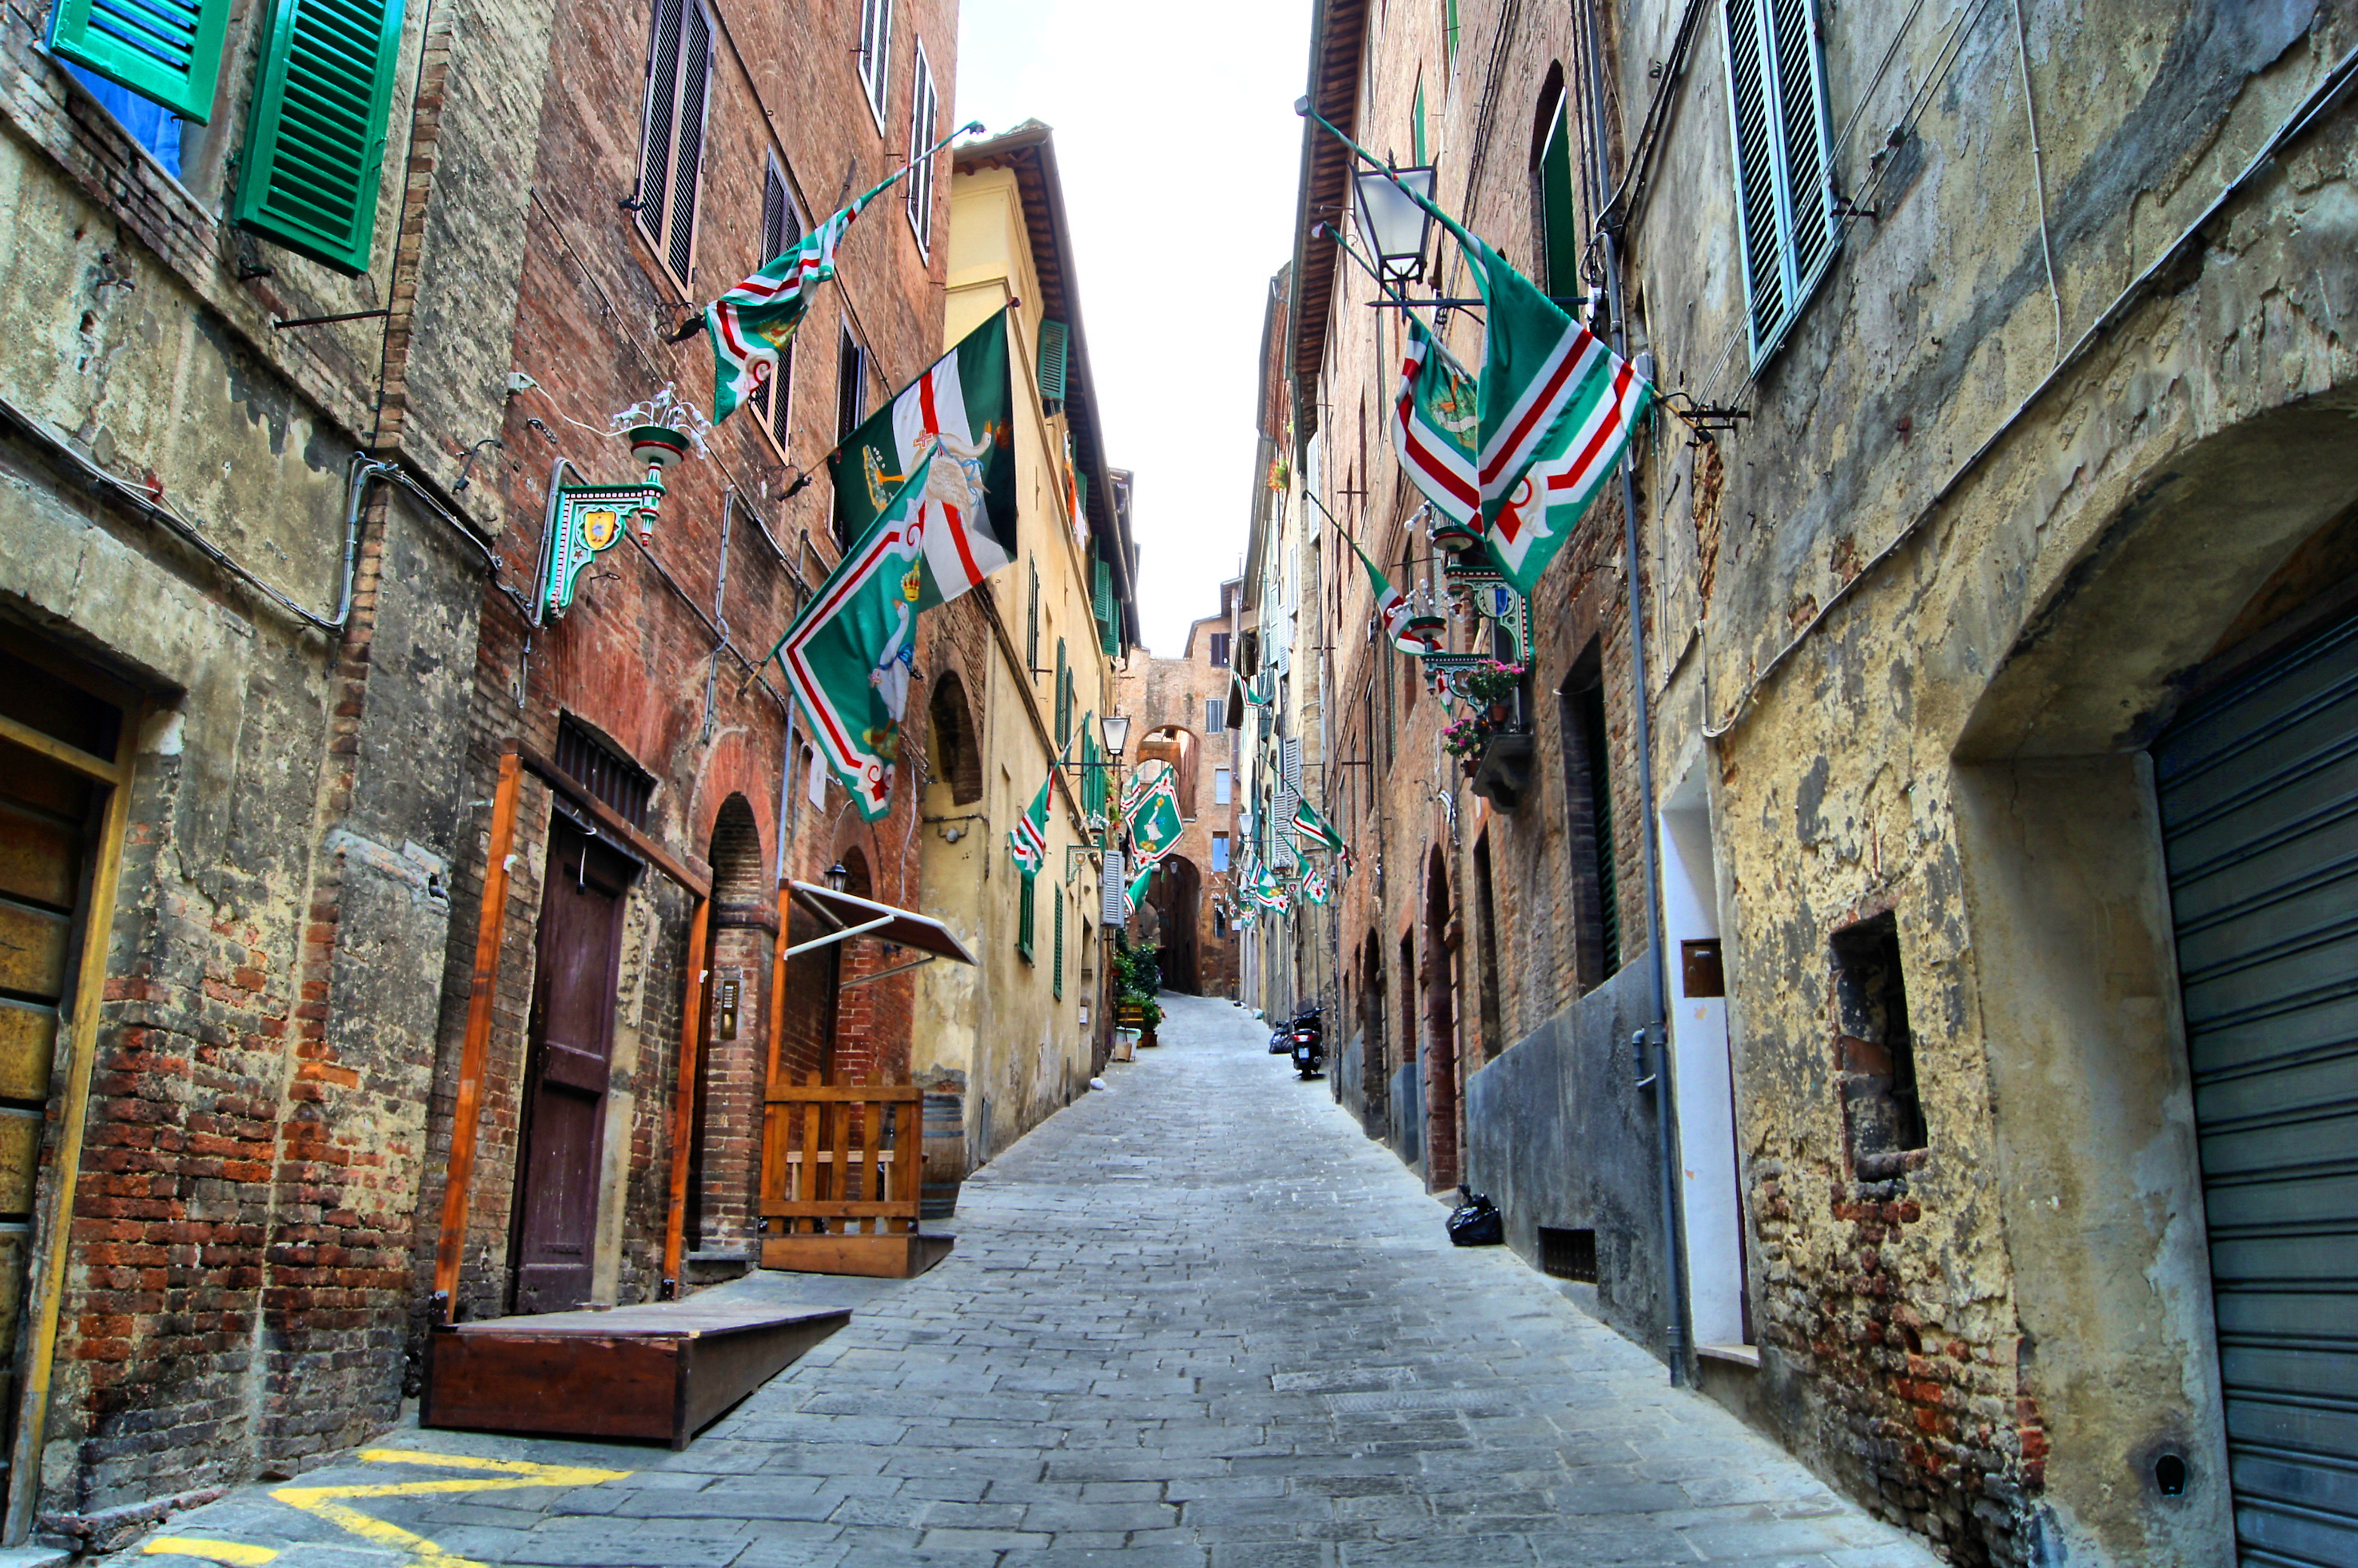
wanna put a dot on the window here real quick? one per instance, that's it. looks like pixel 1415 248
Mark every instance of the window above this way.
pixel 1881 1111
pixel 874 55
pixel 1063 696
pixel 1559 222
pixel 671 147
pixel 850 400
pixel 152 125
pixel 925 121
pixel 1220 851
pixel 1588 795
pixel 1223 786
pixel 605 773
pixel 781 229
pixel 1490 1013
pixel 1026 909
pixel 1216 717
pixel 1784 167
pixel 1220 650
pixel 1056 980
pixel 1031 621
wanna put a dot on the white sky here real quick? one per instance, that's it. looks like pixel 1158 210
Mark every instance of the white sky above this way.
pixel 1178 145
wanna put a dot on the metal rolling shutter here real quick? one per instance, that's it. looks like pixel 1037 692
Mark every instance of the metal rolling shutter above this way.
pixel 2258 789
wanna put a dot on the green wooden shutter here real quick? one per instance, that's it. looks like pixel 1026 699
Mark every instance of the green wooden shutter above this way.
pixel 1053 336
pixel 315 143
pixel 1024 907
pixel 1064 707
pixel 1059 984
pixel 1560 224
pixel 168 51
pixel 1109 612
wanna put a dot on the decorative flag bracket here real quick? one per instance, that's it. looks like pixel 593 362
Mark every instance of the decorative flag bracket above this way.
pixel 587 520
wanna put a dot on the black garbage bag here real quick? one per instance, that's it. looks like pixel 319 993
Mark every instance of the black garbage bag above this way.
pixel 1475 1222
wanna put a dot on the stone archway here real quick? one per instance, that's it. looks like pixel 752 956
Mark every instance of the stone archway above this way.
pixel 1441 1133
pixel 1176 893
pixel 2100 937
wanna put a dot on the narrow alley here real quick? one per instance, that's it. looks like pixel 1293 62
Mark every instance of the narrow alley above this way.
pixel 1197 1319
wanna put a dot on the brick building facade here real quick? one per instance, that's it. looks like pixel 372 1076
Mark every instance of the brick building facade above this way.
pixel 1180 707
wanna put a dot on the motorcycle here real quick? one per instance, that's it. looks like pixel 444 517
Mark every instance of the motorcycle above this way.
pixel 1309 1044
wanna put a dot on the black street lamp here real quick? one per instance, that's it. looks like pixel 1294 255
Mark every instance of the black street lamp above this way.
pixel 839 877
pixel 1393 226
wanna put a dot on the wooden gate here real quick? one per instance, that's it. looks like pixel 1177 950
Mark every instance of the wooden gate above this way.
pixel 841 1166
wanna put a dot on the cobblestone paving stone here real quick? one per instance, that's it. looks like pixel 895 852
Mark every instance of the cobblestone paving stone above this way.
pixel 1197 1320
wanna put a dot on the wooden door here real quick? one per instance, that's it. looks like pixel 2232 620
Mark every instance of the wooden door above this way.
pixel 52 815
pixel 572 1043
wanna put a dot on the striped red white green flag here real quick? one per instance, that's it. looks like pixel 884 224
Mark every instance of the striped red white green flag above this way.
pixel 1558 408
pixel 1029 838
pixel 850 653
pixel 1434 422
pixel 751 324
pixel 963 408
pixel 1391 607
pixel 1315 832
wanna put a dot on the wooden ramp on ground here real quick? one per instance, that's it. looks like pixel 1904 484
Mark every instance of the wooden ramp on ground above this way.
pixel 660 1373
pixel 842 1166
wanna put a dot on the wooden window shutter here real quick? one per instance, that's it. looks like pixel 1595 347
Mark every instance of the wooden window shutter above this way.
pixel 1053 336
pixel 168 51
pixel 780 231
pixel 687 161
pixel 1785 203
pixel 315 141
pixel 1064 703
pixel 1032 622
pixel 1025 907
pixel 671 149
pixel 1057 985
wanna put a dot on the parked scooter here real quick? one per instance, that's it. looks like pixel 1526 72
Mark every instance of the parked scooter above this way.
pixel 1309 1035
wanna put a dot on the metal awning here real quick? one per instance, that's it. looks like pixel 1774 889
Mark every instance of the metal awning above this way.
pixel 852 916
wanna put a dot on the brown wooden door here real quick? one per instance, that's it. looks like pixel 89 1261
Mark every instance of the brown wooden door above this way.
pixel 572 1043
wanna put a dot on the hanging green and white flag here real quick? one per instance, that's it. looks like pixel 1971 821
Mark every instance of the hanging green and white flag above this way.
pixel 1028 839
pixel 1317 833
pixel 1434 422
pixel 1392 609
pixel 963 408
pixel 1154 821
pixel 849 655
pixel 751 324
pixel 1313 887
pixel 1138 886
pixel 1558 409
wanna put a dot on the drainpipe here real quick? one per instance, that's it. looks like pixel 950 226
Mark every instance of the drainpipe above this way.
pixel 1656 1033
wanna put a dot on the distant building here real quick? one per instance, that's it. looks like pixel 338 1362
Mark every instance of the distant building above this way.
pixel 1180 708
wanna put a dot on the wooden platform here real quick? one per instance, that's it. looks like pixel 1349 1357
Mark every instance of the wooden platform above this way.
pixel 898 1256
pixel 659 1373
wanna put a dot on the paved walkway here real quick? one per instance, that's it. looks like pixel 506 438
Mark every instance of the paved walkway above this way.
pixel 1197 1321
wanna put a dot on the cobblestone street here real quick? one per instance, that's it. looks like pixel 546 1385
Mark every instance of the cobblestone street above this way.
pixel 1197 1320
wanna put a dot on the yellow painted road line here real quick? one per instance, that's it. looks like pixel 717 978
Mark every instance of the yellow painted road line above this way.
pixel 229 1551
pixel 515 1475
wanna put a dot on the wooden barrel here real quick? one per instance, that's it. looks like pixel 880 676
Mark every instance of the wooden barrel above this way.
pixel 945 1155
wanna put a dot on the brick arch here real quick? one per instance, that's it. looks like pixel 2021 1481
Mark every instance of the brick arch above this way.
pixel 1440 1029
pixel 953 751
pixel 723 1148
pixel 1181 747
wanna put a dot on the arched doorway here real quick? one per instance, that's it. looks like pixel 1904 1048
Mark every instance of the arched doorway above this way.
pixel 1440 1031
pixel 2155 796
pixel 1176 893
pixel 1177 746
pixel 723 1167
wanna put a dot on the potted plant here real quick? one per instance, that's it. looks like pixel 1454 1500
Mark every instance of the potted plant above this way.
pixel 1493 743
